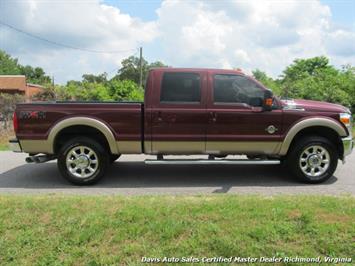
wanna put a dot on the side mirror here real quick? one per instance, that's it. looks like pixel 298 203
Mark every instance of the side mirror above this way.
pixel 268 100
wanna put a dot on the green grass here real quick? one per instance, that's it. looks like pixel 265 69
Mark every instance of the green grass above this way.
pixel 4 147
pixel 5 135
pixel 96 230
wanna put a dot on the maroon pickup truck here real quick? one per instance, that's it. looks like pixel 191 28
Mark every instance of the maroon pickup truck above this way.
pixel 188 111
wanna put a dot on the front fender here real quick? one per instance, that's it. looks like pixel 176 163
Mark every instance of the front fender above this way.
pixel 310 122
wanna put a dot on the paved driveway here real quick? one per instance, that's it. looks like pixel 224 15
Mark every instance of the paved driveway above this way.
pixel 130 175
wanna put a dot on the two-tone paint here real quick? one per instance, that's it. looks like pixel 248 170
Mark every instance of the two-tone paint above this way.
pixel 206 127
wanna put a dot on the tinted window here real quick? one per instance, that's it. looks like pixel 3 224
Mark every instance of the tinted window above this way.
pixel 180 87
pixel 237 89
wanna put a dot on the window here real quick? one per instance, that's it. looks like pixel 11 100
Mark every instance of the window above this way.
pixel 237 89
pixel 180 87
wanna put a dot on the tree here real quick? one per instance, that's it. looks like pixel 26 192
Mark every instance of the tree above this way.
pixel 305 67
pixel 130 69
pixel 123 90
pixel 7 106
pixel 314 78
pixel 101 78
pixel 47 94
pixel 35 75
pixel 267 81
pixel 10 66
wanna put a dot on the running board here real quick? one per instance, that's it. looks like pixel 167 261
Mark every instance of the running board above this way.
pixel 224 161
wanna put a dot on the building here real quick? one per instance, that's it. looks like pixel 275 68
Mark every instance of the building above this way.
pixel 13 84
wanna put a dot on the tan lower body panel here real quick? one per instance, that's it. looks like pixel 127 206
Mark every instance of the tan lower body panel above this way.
pixel 178 147
pixel 44 146
pixel 243 147
pixel 215 147
pixel 36 146
pixel 174 147
pixel 129 147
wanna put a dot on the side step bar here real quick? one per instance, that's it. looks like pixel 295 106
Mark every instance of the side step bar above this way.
pixel 203 161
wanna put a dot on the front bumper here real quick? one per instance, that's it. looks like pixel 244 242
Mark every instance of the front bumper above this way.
pixel 15 145
pixel 348 145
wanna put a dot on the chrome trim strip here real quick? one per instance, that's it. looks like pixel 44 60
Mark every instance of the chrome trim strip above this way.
pixel 310 122
pixel 209 162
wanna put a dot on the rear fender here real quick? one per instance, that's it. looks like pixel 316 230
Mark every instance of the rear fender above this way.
pixel 83 121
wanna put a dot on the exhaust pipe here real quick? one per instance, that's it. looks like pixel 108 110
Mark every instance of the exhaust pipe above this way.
pixel 29 159
pixel 40 158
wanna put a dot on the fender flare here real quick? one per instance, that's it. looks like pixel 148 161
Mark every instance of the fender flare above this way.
pixel 310 122
pixel 83 121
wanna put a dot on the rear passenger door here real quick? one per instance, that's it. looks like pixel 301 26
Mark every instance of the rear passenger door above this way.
pixel 179 113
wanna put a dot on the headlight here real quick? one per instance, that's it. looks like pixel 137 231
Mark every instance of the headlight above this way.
pixel 345 118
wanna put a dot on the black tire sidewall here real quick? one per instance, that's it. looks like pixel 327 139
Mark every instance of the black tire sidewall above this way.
pixel 300 146
pixel 103 159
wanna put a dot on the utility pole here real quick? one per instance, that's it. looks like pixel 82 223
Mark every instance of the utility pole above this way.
pixel 140 68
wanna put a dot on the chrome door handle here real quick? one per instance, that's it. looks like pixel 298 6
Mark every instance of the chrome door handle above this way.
pixel 213 116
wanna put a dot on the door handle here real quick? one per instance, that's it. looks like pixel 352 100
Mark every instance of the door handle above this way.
pixel 213 116
pixel 159 117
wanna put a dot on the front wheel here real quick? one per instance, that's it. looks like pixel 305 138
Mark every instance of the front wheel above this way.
pixel 82 161
pixel 313 159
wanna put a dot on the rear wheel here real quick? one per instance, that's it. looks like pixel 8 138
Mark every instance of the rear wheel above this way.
pixel 82 161
pixel 313 159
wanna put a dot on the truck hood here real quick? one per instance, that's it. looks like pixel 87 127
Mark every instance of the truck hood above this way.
pixel 318 106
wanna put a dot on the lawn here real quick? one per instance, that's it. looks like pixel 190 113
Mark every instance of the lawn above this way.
pixel 5 135
pixel 96 230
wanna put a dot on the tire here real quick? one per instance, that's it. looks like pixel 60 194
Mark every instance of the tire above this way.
pixel 87 156
pixel 313 159
pixel 114 157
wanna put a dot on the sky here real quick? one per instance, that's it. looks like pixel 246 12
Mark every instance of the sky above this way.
pixel 93 36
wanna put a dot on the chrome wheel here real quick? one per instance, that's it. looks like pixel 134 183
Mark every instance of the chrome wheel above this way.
pixel 314 161
pixel 82 161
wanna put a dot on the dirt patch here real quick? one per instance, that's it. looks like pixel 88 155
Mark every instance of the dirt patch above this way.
pixel 331 217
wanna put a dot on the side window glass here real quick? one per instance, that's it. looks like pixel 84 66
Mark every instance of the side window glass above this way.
pixel 237 89
pixel 180 88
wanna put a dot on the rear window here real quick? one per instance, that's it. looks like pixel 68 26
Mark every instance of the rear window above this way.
pixel 180 88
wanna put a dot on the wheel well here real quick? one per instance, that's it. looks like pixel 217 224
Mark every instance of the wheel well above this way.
pixel 77 131
pixel 321 131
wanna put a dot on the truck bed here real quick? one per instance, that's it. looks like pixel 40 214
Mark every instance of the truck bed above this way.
pixel 125 119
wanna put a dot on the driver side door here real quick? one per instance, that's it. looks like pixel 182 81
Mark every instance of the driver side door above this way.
pixel 237 124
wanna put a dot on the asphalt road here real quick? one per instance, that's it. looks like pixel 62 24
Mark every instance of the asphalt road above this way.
pixel 130 176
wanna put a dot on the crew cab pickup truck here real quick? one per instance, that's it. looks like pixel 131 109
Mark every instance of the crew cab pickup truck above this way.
pixel 210 112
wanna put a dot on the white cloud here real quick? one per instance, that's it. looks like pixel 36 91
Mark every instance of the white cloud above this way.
pixel 267 35
pixel 86 24
pixel 251 34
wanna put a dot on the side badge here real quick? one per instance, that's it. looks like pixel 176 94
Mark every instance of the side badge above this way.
pixel 271 129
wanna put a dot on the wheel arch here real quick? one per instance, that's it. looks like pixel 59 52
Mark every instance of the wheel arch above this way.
pixel 325 127
pixel 85 122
